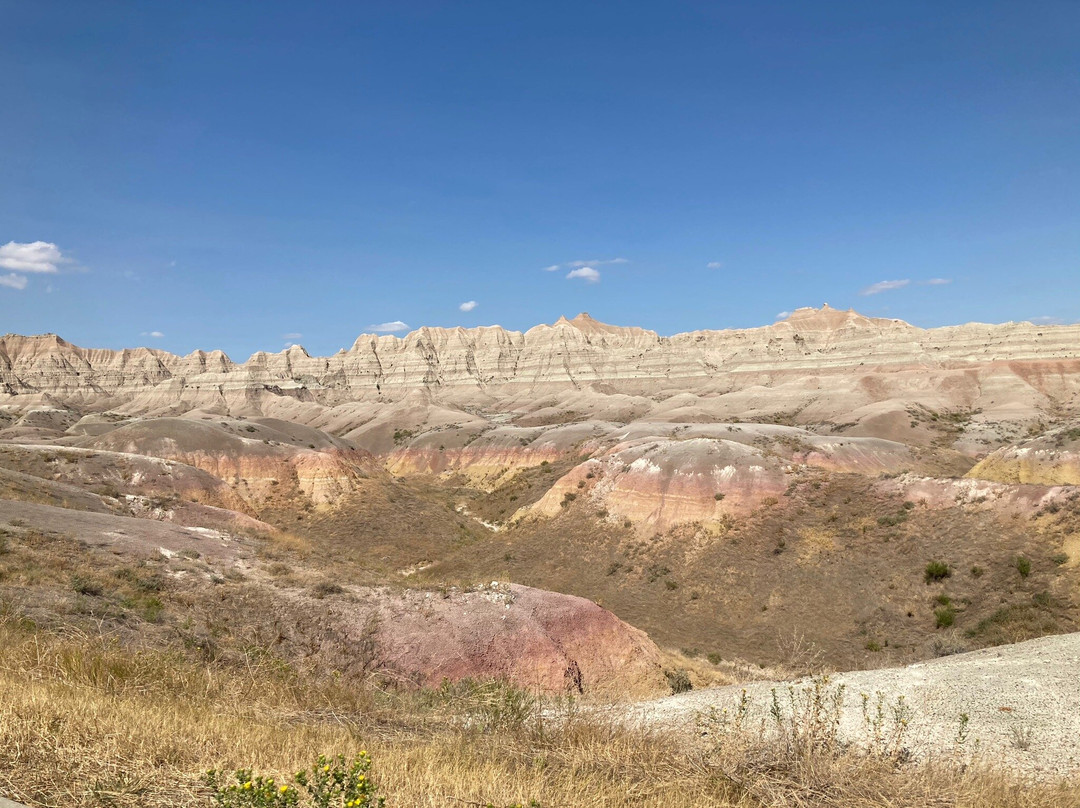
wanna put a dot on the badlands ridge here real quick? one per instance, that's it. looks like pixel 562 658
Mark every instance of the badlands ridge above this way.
pixel 719 490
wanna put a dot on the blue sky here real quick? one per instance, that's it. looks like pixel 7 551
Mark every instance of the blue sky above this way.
pixel 231 174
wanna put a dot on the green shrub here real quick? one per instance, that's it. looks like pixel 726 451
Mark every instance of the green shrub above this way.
pixel 892 520
pixel 85 586
pixel 151 610
pixel 714 658
pixel 945 616
pixel 873 646
pixel 1057 558
pixel 330 782
pixel 325 588
pixel 1023 566
pixel 718 496
pixel 657 571
pixel 937 571
pixel 679 680
pixel 977 572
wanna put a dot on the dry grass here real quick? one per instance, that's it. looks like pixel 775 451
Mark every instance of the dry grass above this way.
pixel 85 722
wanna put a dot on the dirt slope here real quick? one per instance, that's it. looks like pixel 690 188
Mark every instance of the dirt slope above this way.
pixel 1022 702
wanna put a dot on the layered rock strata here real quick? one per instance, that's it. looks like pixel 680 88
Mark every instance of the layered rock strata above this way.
pixel 880 358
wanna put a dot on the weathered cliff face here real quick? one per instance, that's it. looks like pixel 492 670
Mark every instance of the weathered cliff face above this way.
pixel 1049 459
pixel 257 468
pixel 825 363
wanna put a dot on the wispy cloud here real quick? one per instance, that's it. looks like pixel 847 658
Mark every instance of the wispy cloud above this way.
pixel 582 263
pixel 291 336
pixel 783 315
pixel 13 281
pixel 714 265
pixel 154 334
pixel 468 305
pixel 588 274
pixel 936 282
pixel 389 328
pixel 1047 320
pixel 597 262
pixel 884 286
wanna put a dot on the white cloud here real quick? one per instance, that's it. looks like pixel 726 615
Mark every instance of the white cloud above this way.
pixel 1046 320
pixel 291 336
pixel 13 281
pixel 586 264
pixel 154 334
pixel 35 256
pixel 468 305
pixel 936 282
pixel 715 265
pixel 587 274
pixel 596 262
pixel 783 315
pixel 389 328
pixel 883 286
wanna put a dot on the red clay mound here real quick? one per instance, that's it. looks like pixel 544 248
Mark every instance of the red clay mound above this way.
pixel 535 638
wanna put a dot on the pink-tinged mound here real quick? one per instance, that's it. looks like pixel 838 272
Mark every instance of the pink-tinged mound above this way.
pixel 662 483
pixel 1004 498
pixel 489 459
pixel 482 466
pixel 856 455
pixel 534 638
pixel 257 459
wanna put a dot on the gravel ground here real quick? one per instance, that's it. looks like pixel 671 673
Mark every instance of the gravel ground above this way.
pixel 1022 701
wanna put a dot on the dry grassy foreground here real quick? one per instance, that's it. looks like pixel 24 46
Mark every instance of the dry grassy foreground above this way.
pixel 84 722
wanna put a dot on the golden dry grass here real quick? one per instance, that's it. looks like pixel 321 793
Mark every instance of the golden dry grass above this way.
pixel 85 722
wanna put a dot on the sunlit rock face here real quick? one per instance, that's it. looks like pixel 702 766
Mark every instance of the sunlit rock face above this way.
pixel 826 363
pixel 1052 458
